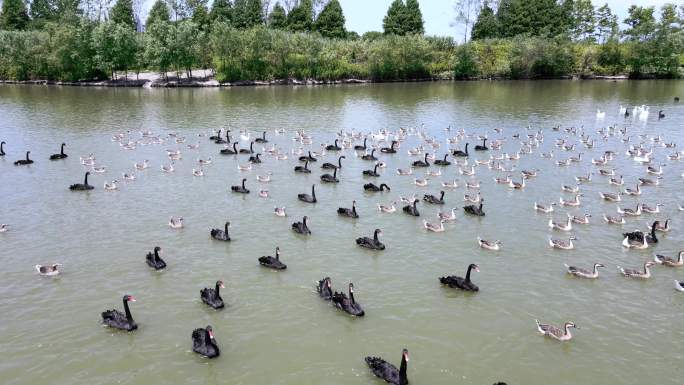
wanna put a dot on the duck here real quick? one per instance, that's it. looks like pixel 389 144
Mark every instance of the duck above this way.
pixel 221 235
pixel 142 166
pixel 467 172
pixel 482 147
pixel 250 151
pixel 580 220
pixel 633 273
pixel 82 186
pixel 360 147
pixel 212 297
pixel 197 173
pixel 489 245
pixel 600 115
pixel 422 163
pixel 263 178
pixel 461 154
pixel 373 172
pixel 460 283
pixel 561 226
pixel 499 180
pixel 255 158
pixel 584 273
pixel 387 209
pixel 562 243
pixel 308 158
pixel 411 209
pixel 443 162
pixel 450 185
pixel 262 139
pixel 633 192
pixel 651 210
pixel 111 186
pixel 271 262
pixel 472 198
pixel 280 211
pixel 4 227
pixel 516 185
pixel 348 304
pixel 303 169
pixel 324 289
pixel 263 193
pixel 669 261
pixel 176 222
pixel 370 156
pixel 649 182
pixel 555 332
pixel 327 178
pixel 350 213
pixel 433 227
pixel 679 285
pixel 306 198
pixel 610 197
pixel 613 220
pixel 474 209
pixel 374 188
pixel 49 270
pixel 420 182
pixel 663 228
pixel 388 372
pixel 301 227
pixel 390 149
pixel 118 320
pixel 24 162
pixel 543 208
pixel 371 243
pixel 570 189
pixel 229 151
pixel 630 212
pixel 429 198
pixel 240 189
pixel 204 343
pixel 404 172
pixel 60 155
pixel 330 166
pixel 164 168
pixel 333 147
pixel 583 179
pixel 154 260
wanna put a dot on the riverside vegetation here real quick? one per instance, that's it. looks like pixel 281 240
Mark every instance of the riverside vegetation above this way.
pixel 75 40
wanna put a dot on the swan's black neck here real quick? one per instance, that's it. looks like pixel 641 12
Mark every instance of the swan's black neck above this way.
pixel 156 254
pixel 27 156
pixel 334 173
pixel 257 156
pixel 653 233
pixel 218 288
pixel 129 317
pixel 480 209
pixel 313 191
pixel 339 162
pixel 263 136
pixel 441 196
pixel 426 156
pixel 402 371
pixel 243 184
pixel 394 143
pixel 375 235
pixel 372 152
pixel 85 181
pixel 234 146
pixel 226 228
pixel 382 186
pixel 251 147
pixel 2 150
pixel 466 148
pixel 354 208
pixel 364 142
pixel 468 273
pixel 375 169
pixel 445 156
pixel 335 142
pixel 351 296
pixel 62 150
pixel 415 203
pixel 277 253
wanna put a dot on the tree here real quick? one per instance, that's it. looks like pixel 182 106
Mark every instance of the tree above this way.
pixel 330 22
pixel 394 22
pixel 641 22
pixel 68 9
pixel 247 13
pixel 584 20
pixel 158 12
pixel 200 13
pixel 277 19
pixel 221 10
pixel 487 25
pixel 300 17
pixel 14 15
pixel 531 17
pixel 122 13
pixel 606 23
pixel 179 8
pixel 466 12
pixel 669 20
pixel 414 18
pixel 43 11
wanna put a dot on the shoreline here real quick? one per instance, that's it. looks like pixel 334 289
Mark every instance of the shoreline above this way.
pixel 209 82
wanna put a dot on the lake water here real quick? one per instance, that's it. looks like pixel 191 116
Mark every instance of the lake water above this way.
pixel 275 329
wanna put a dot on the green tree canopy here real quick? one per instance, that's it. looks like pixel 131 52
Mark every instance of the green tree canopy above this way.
pixel 122 13
pixel 330 22
pixel 487 25
pixel 414 18
pixel 532 17
pixel 158 12
pixel 14 15
pixel 300 17
pixel 277 19
pixel 221 10
pixel 606 23
pixel 247 13
pixel 200 13
pixel 641 23
pixel 394 22
pixel 584 20
pixel 42 11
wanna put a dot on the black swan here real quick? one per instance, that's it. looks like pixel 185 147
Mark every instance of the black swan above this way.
pixel 250 151
pixel 308 198
pixel 345 212
pixel 461 283
pixel 639 236
pixel 154 260
pixel 361 148
pixel 212 297
pixel 327 178
pixel 333 147
pixel 82 187
pixel 389 372
pixel 372 187
pixel 204 343
pixel 330 166
pixel 475 210
pixel 371 243
pixel 255 158
pixel 325 289
pixel 373 172
pixel 23 162
pixel 221 235
pixel 422 163
pixel 303 169
pixel 348 304
pixel 2 148
pixel 118 320
pixel 482 147
pixel 240 189
pixel 661 115
pixel 271 262
pixel 429 198
pixel 262 139
pixel 217 136
pixel 412 209
pixel 228 151
pixel 460 153
pixel 443 162
pixel 309 158
pixel 370 156
pixel 220 140
pixel 390 149
pixel 301 227
pixel 61 154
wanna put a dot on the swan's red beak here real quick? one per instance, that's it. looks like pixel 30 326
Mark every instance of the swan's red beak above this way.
pixel 477 269
pixel 211 334
pixel 406 357
pixel 223 286
pixel 131 298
